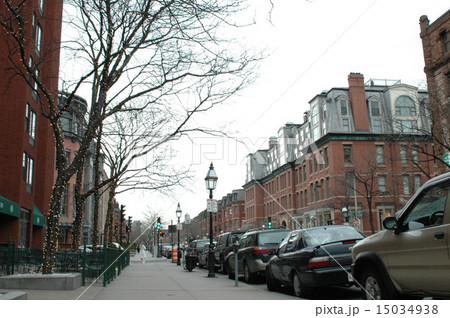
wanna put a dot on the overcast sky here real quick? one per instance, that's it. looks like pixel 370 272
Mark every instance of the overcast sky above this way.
pixel 315 44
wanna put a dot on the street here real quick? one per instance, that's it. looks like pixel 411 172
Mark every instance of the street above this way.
pixel 160 279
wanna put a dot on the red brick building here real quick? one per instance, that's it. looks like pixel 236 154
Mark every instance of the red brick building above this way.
pixel 365 137
pixel 27 153
pixel 436 50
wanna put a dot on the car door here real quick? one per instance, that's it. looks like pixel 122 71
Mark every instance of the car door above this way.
pixel 418 255
pixel 290 257
pixel 277 261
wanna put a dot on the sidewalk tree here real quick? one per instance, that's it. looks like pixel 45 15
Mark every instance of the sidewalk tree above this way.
pixel 129 55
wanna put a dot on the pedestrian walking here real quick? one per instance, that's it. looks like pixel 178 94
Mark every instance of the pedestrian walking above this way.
pixel 142 253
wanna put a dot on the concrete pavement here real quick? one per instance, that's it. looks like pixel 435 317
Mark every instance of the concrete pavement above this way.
pixel 160 279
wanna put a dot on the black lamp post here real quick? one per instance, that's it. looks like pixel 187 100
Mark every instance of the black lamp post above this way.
pixel 178 212
pixel 211 181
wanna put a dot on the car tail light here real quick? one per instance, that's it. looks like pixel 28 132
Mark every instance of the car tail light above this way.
pixel 195 252
pixel 349 242
pixel 319 262
pixel 258 250
pixel 227 252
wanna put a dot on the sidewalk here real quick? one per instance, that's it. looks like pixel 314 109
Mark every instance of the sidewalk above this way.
pixel 160 279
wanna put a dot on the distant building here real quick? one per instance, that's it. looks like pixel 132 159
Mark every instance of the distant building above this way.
pixel 27 150
pixel 308 175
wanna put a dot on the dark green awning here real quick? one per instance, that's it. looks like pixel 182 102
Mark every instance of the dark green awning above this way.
pixel 9 207
pixel 38 218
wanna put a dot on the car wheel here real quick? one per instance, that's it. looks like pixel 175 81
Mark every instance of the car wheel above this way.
pixel 372 286
pixel 223 266
pixel 299 289
pixel 272 285
pixel 248 277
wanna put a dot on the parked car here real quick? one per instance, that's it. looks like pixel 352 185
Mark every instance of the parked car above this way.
pixel 195 247
pixel 254 253
pixel 166 250
pixel 224 246
pixel 203 256
pixel 313 257
pixel 411 257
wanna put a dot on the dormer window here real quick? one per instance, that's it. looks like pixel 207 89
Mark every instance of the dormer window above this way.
pixel 404 106
pixel 344 107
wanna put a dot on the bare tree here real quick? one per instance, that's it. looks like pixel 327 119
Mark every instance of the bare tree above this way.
pixel 144 51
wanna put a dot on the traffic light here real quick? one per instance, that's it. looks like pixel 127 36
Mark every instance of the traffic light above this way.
pixel 122 213
pixel 161 233
pixel 269 222
pixel 158 224
pixel 129 222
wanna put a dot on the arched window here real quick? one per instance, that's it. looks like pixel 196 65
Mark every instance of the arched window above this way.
pixel 404 106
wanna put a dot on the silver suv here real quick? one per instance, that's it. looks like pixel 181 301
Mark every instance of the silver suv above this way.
pixel 411 257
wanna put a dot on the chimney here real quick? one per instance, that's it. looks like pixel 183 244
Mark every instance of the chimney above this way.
pixel 358 104
pixel 273 141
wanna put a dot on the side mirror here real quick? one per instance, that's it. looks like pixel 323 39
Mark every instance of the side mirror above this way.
pixel 390 223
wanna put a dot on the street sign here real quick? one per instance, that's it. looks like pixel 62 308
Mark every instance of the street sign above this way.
pixel 447 158
pixel 179 226
pixel 356 222
pixel 211 206
pixel 172 229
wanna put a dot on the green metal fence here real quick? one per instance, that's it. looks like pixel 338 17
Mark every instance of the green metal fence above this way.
pixel 108 262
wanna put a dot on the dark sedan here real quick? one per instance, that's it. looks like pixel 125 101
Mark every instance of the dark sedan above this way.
pixel 314 257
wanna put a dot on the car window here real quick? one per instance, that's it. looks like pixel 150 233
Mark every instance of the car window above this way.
pixel 330 234
pixel 427 210
pixel 271 238
pixel 283 244
pixel 292 242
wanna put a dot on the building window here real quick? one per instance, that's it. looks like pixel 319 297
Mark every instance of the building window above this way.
pixel 27 171
pixel 38 39
pixel 379 149
pixel 382 184
pixel 30 122
pixel 345 124
pixel 406 126
pixel 375 108
pixel 377 125
pixel 404 154
pixel 315 115
pixel 405 181
pixel 65 203
pixel 404 106
pixel 41 5
pixel 326 157
pixel 24 238
pixel 417 182
pixel 348 156
pixel 329 194
pixel 445 38
pixel 349 184
pixel 344 107
pixel 415 155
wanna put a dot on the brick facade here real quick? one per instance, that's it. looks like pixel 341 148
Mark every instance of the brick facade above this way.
pixel 26 135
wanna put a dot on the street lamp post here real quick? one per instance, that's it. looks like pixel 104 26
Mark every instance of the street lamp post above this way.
pixel 211 181
pixel 178 212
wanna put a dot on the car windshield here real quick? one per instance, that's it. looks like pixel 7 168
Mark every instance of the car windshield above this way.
pixel 200 244
pixel 330 234
pixel 272 237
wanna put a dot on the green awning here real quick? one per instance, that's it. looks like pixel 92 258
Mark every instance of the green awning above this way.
pixel 9 207
pixel 38 218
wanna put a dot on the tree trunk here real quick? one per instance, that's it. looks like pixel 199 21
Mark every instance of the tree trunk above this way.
pixel 109 224
pixel 51 235
pixel 80 199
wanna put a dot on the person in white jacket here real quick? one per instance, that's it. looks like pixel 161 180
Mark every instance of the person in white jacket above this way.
pixel 142 253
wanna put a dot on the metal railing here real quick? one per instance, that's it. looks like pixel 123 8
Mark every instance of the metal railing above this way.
pixel 108 262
